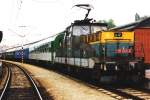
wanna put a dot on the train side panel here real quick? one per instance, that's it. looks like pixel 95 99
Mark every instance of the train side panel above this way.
pixel 19 54
pixel 45 56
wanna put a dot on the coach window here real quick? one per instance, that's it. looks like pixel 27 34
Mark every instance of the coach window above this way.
pixel 38 50
pixel 93 37
pixel 87 38
pixel 41 50
pixel 97 36
pixel 68 31
pixel 82 38
pixel 44 49
pixel 90 37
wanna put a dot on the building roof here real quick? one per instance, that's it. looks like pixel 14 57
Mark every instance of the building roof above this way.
pixel 143 23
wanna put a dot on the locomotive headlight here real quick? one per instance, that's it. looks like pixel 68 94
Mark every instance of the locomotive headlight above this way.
pixel 117 34
pixel 116 67
pixel 105 67
pixel 132 64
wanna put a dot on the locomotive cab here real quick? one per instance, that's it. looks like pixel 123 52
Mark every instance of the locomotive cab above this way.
pixel 75 49
pixel 77 38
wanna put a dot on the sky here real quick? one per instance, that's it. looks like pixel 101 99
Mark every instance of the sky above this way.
pixel 24 21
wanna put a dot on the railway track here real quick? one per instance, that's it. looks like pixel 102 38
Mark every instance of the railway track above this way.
pixel 140 94
pixel 19 85
pixel 119 93
pixel 124 93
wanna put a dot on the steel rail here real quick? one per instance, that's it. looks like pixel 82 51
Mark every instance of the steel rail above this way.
pixel 6 83
pixel 32 82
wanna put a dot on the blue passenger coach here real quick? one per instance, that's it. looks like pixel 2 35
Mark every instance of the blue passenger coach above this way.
pixel 20 54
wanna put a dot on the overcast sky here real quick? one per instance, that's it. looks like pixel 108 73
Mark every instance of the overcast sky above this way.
pixel 37 19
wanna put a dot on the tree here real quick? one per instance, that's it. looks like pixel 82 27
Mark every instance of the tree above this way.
pixel 137 17
pixel 110 23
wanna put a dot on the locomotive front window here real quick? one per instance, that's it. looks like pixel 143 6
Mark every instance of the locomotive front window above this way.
pixel 87 29
pixel 95 29
pixel 81 30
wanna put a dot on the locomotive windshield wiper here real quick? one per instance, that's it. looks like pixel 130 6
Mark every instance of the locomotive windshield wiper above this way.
pixel 84 28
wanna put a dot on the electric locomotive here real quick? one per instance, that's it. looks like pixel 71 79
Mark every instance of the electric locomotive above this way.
pixel 88 45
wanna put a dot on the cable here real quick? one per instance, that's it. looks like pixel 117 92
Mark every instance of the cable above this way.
pixel 45 1
pixel 19 9
pixel 33 42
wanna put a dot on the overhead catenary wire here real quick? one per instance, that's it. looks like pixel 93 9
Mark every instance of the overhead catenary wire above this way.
pixel 17 4
pixel 45 1
pixel 33 42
